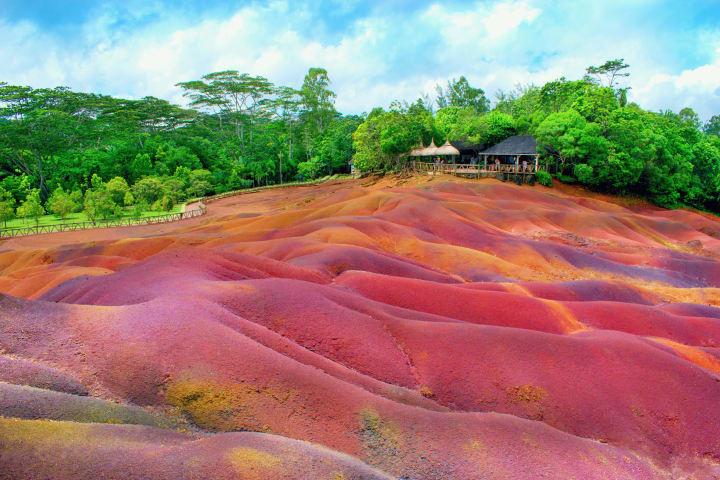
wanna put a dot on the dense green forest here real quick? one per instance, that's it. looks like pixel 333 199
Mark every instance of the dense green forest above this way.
pixel 63 151
pixel 586 130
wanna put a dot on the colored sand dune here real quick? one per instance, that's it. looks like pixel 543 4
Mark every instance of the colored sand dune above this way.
pixel 392 328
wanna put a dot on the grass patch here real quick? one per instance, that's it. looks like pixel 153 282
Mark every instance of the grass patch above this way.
pixel 80 217
pixel 381 438
pixel 228 407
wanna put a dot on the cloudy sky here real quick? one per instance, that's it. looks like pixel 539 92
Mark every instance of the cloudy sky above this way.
pixel 375 51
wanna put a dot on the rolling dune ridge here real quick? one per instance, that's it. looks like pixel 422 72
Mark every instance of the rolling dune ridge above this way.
pixel 363 329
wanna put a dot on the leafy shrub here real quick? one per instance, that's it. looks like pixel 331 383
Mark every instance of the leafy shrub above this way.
pixel 584 173
pixel 566 178
pixel 310 169
pixel 544 178
pixel 61 203
pixel 31 207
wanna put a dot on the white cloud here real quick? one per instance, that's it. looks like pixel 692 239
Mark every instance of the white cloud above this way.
pixel 698 88
pixel 374 60
pixel 482 23
pixel 507 16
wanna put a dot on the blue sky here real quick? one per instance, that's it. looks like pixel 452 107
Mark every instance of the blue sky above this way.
pixel 375 52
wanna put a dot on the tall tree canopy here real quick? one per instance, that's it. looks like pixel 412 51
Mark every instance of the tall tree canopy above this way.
pixel 459 93
pixel 65 150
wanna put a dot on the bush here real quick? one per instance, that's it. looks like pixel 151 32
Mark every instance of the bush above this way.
pixel 309 170
pixel 99 204
pixel 138 209
pixel 148 190
pixel 584 173
pixel 117 187
pixel 544 178
pixel 566 178
pixel 7 211
pixel 61 203
pixel 165 203
pixel 31 207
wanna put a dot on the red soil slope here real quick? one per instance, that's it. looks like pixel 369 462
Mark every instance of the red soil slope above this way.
pixel 395 328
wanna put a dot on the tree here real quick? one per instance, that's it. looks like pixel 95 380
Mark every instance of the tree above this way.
pixel 233 95
pixel 77 198
pixel 310 169
pixel 99 204
pixel 459 93
pixel 242 131
pixel 455 122
pixel 287 105
pixel 195 183
pixel 595 103
pixel 712 127
pixel 61 203
pixel 570 139
pixel 334 148
pixel 141 166
pixel 37 126
pixel 148 190
pixel 705 190
pixel 7 211
pixel 318 101
pixel 117 188
pixel 7 206
pixel 318 106
pixel 491 128
pixel 688 116
pixel 523 104
pixel 560 94
pixel 609 72
pixel 381 141
pixel 32 207
pixel 369 155
pixel 128 199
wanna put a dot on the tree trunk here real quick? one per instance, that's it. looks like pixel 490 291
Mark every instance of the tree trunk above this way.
pixel 41 178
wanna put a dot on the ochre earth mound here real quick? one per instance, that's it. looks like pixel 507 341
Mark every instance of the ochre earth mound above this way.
pixel 392 328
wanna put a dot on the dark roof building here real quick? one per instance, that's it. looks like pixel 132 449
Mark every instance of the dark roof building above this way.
pixel 517 145
pixel 466 148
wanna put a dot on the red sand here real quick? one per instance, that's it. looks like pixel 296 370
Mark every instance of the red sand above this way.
pixel 363 329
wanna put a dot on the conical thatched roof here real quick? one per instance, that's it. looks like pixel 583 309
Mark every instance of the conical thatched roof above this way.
pixel 417 152
pixel 431 149
pixel 447 149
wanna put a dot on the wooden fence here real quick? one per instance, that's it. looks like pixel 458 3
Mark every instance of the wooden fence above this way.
pixel 232 193
pixel 502 171
pixel 109 223
pixel 201 209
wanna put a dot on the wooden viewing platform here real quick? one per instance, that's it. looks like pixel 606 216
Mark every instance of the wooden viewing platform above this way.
pixel 515 158
pixel 503 172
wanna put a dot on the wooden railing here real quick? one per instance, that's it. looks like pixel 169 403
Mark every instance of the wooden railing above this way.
pixel 470 169
pixel 108 223
pixel 201 209
pixel 232 193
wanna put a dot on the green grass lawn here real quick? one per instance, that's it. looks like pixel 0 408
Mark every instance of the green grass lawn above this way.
pixel 80 217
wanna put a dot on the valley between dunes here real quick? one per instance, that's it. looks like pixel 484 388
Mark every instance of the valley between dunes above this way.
pixel 408 328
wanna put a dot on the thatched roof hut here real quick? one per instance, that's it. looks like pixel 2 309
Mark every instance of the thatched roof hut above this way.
pixel 517 145
pixel 447 149
pixel 467 148
pixel 417 152
pixel 428 151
